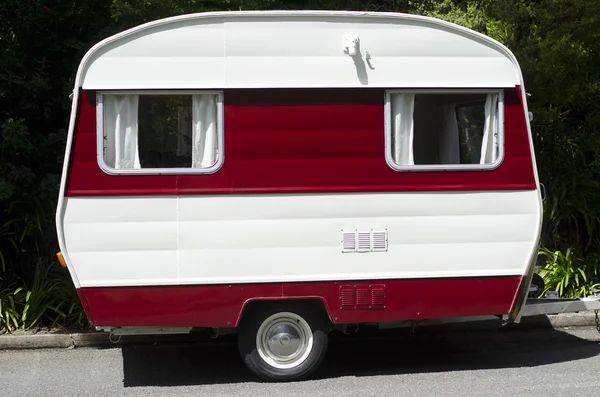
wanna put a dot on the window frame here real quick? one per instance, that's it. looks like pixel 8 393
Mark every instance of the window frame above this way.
pixel 443 167
pixel 159 171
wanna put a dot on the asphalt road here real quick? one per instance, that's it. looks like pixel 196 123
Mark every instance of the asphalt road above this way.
pixel 508 363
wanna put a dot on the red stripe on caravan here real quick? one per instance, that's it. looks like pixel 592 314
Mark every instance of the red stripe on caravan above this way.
pixel 302 141
pixel 222 305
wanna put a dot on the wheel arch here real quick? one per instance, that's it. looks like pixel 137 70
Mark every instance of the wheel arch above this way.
pixel 318 302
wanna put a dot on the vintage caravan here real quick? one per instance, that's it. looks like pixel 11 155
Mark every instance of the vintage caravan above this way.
pixel 283 174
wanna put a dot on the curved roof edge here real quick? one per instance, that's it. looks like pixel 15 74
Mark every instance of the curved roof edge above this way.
pixel 214 50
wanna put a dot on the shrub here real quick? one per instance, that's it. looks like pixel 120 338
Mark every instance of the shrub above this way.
pixel 570 274
pixel 49 298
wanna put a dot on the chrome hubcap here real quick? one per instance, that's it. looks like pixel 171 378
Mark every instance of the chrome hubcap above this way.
pixel 284 340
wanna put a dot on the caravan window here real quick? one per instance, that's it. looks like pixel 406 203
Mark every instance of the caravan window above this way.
pixel 444 130
pixel 160 132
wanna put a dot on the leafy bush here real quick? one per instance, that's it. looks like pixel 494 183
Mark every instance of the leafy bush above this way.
pixel 570 274
pixel 557 43
pixel 49 298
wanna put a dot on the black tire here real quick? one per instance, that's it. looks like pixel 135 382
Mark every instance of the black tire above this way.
pixel 254 359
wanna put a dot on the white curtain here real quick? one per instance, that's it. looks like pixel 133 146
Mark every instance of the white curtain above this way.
pixel 204 141
pixel 489 145
pixel 449 150
pixel 121 126
pixel 403 106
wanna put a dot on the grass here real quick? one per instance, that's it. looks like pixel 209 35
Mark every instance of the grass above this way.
pixel 47 299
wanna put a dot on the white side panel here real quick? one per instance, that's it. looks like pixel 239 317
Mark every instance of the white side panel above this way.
pixel 301 49
pixel 229 239
pixel 182 57
pixel 115 241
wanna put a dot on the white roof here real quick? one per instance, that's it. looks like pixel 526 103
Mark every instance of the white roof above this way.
pixel 279 49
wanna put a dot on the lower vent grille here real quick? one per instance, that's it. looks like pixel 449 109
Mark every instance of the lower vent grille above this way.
pixel 363 296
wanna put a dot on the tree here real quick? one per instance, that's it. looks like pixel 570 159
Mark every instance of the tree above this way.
pixel 557 43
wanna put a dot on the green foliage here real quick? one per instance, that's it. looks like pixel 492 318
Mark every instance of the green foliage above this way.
pixel 9 303
pixel 40 44
pixel 48 298
pixel 470 14
pixel 557 43
pixel 569 274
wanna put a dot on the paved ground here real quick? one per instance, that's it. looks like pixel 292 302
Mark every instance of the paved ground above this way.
pixel 515 363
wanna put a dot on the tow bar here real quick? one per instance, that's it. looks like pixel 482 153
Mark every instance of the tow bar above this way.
pixel 552 304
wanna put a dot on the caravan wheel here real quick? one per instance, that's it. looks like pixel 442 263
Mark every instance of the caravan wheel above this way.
pixel 283 343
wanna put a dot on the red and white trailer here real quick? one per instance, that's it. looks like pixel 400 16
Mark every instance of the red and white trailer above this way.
pixel 281 174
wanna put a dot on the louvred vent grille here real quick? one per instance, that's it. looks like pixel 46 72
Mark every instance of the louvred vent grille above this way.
pixel 364 241
pixel 349 241
pixel 348 296
pixel 363 296
pixel 379 241
pixel 378 297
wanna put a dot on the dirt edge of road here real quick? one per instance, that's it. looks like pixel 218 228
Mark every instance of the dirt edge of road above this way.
pixel 68 339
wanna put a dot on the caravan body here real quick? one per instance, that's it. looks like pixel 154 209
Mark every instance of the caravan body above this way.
pixel 377 166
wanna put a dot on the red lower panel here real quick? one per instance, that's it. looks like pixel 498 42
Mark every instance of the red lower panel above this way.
pixel 369 301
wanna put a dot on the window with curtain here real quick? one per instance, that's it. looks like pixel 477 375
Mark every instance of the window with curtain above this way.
pixel 443 129
pixel 160 131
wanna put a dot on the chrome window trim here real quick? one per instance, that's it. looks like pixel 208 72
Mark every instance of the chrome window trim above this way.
pixel 158 171
pixel 443 167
